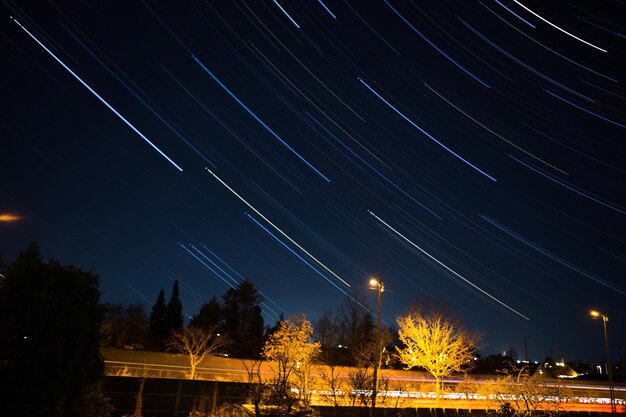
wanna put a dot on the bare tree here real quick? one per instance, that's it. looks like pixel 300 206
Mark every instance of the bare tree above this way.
pixel 519 393
pixel 197 344
pixel 333 385
pixel 439 345
pixel 360 383
pixel 139 398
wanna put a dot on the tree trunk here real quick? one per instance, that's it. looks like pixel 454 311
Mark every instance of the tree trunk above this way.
pixel 192 366
pixel 139 402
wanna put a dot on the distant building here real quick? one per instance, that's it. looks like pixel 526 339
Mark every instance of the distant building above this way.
pixel 494 364
pixel 550 369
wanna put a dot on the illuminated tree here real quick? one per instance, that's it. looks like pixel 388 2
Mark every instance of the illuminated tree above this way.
pixel 432 342
pixel 291 350
pixel 197 344
pixel 520 394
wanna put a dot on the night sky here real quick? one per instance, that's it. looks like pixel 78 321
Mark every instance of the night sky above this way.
pixel 468 152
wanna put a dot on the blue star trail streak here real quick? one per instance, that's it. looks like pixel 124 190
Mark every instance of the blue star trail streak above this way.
pixel 447 268
pixel 380 174
pixel 241 278
pixel 412 123
pixel 138 97
pixel 283 244
pixel 456 64
pixel 286 14
pixel 266 310
pixel 515 14
pixel 230 282
pixel 585 110
pixel 276 227
pixel 571 187
pixel 102 100
pixel 251 113
pixel 327 9
pixel 492 131
pixel 550 255
pixel 222 271
pixel 528 67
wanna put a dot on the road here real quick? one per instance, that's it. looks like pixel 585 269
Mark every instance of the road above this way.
pixel 405 387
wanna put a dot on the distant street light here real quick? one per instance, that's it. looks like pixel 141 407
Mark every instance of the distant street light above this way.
pixel 597 314
pixel 380 287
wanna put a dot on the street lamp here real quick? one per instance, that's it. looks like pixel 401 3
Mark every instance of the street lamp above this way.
pixel 597 314
pixel 380 287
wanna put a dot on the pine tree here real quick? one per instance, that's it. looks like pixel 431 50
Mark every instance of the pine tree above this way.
pixel 159 331
pixel 210 315
pixel 174 314
pixel 243 321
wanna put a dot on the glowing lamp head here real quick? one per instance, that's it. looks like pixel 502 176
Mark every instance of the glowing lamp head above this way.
pixel 373 282
pixel 594 313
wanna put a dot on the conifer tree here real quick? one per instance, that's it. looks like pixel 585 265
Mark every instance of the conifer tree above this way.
pixel 159 331
pixel 210 315
pixel 174 314
pixel 243 321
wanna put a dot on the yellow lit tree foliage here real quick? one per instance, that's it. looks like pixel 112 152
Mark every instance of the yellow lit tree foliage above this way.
pixel 432 342
pixel 291 349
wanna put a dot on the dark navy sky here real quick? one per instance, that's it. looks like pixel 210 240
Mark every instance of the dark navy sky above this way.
pixel 470 152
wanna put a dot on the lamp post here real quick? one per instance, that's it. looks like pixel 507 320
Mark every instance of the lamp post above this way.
pixel 378 285
pixel 594 313
pixel 526 348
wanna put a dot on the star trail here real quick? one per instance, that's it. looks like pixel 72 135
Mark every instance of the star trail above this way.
pixel 488 137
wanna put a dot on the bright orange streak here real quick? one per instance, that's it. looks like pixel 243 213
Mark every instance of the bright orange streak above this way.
pixel 7 217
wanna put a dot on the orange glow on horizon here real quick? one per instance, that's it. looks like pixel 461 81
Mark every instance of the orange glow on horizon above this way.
pixel 8 217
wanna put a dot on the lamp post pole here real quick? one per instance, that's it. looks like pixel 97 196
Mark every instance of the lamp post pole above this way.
pixel 608 359
pixel 380 287
pixel 526 348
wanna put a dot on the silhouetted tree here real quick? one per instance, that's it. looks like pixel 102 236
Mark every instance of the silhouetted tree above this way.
pixel 174 314
pixel 210 315
pixel 50 319
pixel 124 326
pixel 159 330
pixel 272 329
pixel 243 322
pixel 356 329
pixel 511 352
pixel 327 333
